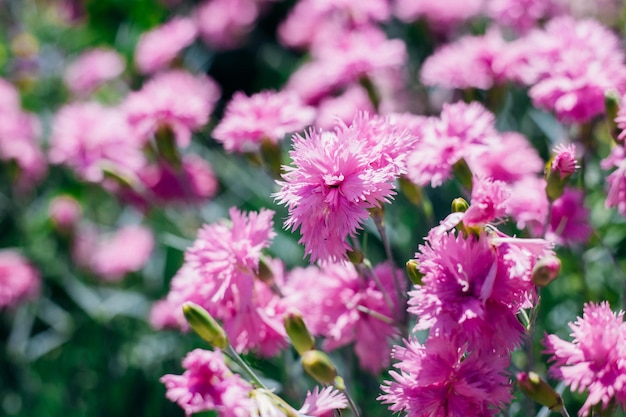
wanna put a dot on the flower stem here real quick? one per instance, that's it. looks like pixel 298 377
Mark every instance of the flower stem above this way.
pixel 235 356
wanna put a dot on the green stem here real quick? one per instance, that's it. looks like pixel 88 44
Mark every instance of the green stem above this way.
pixel 235 356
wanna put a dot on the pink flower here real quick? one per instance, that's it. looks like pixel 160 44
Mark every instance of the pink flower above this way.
pixel 344 107
pixel 158 47
pixel 569 219
pixel 224 24
pixel 466 63
pixel 92 69
pixel 19 280
pixel 443 15
pixel 268 115
pixel 488 203
pixel 528 203
pixel 127 250
pixel 336 177
pixel 456 134
pixel 177 100
pixel 443 378
pixel 595 360
pixel 64 211
pixel 208 385
pixel 616 196
pixel 523 15
pixel 345 308
pixel 473 289
pixel 90 138
pixel 564 162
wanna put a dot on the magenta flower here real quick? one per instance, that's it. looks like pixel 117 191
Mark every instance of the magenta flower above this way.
pixel 345 308
pixel 564 162
pixel 177 100
pixel 528 203
pixel 208 385
pixel 569 219
pixel 19 280
pixel 616 196
pixel 92 139
pixel 92 69
pixel 488 203
pixel 442 378
pixel 158 47
pixel 466 63
pixel 459 131
pixel 473 289
pixel 336 177
pixel 595 360
pixel 266 116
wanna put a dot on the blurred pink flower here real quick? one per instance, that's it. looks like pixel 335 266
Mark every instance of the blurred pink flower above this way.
pixel 158 47
pixel 336 177
pixel 268 115
pixel 224 24
pixel 523 15
pixel 595 359
pixel 342 306
pixel 126 250
pixel 176 100
pixel 208 385
pixel 91 139
pixel 466 63
pixel 445 378
pixel 343 107
pixel 442 15
pixel 569 219
pixel 616 181
pixel 488 202
pixel 19 280
pixel 92 69
pixel 528 203
pixel 64 211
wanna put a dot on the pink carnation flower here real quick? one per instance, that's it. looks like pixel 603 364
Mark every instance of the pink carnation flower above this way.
pixel 488 203
pixel 268 115
pixel 466 63
pixel 177 100
pixel 208 385
pixel 336 177
pixel 342 307
pixel 442 15
pixel 224 24
pixel 569 219
pixel 595 360
pixel 442 378
pixel 90 138
pixel 455 135
pixel 92 69
pixel 19 280
pixel 158 47
pixel 564 162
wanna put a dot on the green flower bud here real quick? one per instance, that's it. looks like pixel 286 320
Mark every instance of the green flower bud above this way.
pixel 166 145
pixel 537 389
pixel 319 366
pixel 204 325
pixel 356 257
pixel 298 333
pixel 459 205
pixel 412 269
pixel 463 173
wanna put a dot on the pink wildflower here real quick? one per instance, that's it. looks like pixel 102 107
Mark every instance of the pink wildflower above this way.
pixel 488 203
pixel 127 250
pixel 224 24
pixel 596 358
pixel 466 63
pixel 158 47
pixel 268 115
pixel 528 203
pixel 208 385
pixel 442 15
pixel 90 139
pixel 177 100
pixel 344 308
pixel 19 280
pixel 564 162
pixel 569 219
pixel 448 139
pixel 92 69
pixel 442 379
pixel 336 177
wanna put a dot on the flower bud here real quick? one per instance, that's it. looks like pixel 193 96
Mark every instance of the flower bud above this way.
pixel 412 269
pixel 271 156
pixel 204 325
pixel 319 366
pixel 356 257
pixel 166 145
pixel 611 106
pixel 558 170
pixel 546 270
pixel 297 332
pixel 459 205
pixel 537 389
pixel 265 273
pixel 463 173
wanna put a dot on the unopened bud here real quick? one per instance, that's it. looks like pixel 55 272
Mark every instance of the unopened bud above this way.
pixel 546 270
pixel 463 173
pixel 356 257
pixel 559 169
pixel 297 332
pixel 166 145
pixel 459 205
pixel 205 325
pixel 412 269
pixel 265 273
pixel 319 366
pixel 537 389
pixel 611 107
pixel 272 157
